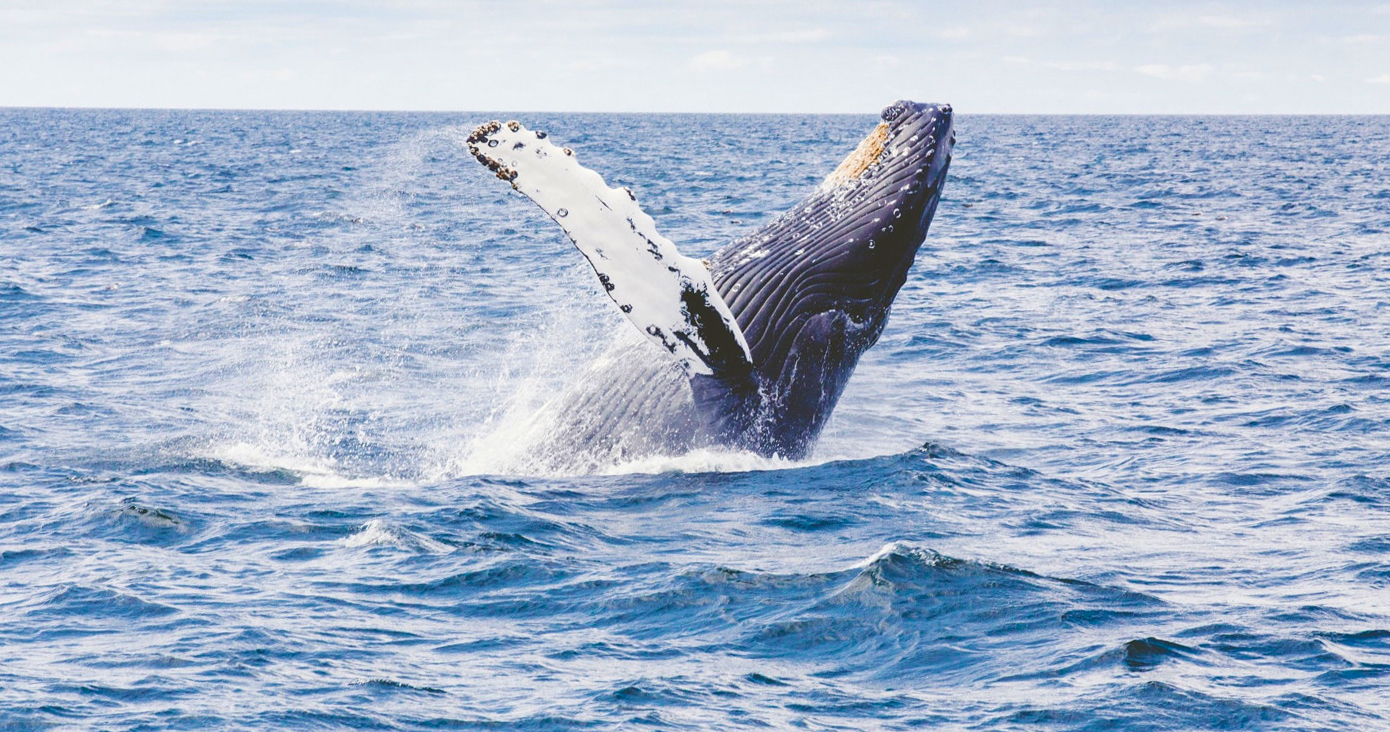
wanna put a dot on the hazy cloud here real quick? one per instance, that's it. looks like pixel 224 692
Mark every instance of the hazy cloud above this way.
pixel 1218 56
pixel 717 60
pixel 810 35
pixel 1024 31
pixel 1186 72
pixel 1189 21
pixel 1064 65
pixel 598 64
pixel 1228 21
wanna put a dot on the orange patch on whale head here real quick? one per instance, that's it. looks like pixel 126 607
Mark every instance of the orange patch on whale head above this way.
pixel 869 151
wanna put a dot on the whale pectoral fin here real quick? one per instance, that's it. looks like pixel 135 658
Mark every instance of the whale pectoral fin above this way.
pixel 671 298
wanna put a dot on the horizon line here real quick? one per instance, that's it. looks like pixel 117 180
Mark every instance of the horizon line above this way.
pixel 98 108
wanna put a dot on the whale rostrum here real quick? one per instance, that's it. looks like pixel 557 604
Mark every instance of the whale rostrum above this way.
pixel 763 336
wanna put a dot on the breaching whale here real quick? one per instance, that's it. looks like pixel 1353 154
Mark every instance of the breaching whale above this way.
pixel 762 337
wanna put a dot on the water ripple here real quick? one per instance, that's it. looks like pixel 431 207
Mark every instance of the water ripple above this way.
pixel 268 384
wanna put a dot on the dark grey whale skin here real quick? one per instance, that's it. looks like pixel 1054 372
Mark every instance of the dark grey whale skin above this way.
pixel 811 292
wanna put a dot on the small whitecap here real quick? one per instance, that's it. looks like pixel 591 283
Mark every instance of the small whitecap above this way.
pixel 378 532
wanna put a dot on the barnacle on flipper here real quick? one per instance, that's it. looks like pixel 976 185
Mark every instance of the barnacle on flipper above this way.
pixel 481 132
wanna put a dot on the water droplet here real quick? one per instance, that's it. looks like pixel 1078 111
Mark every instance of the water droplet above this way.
pixel 872 244
pixel 897 213
pixel 562 212
pixel 492 143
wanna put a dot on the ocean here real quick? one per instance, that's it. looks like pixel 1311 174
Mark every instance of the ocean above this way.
pixel 1120 460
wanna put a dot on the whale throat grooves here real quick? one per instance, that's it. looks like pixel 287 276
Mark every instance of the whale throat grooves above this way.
pixel 768 331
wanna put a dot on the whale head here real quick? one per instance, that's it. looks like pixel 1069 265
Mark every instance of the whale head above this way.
pixel 812 290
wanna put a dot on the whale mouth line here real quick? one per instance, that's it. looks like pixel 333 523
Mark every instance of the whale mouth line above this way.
pixel 767 330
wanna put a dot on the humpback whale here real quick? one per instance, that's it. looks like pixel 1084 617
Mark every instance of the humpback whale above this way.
pixel 761 338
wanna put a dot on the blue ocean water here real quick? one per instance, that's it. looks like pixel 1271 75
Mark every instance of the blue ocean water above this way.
pixel 1120 460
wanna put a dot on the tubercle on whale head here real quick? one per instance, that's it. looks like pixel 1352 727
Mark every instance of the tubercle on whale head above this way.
pixel 880 200
pixel 898 192
pixel 906 129
pixel 919 140
pixel 861 227
pixel 812 290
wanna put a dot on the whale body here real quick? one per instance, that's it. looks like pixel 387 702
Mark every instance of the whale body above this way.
pixel 760 339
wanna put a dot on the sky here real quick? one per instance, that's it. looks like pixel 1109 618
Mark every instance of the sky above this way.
pixel 1173 57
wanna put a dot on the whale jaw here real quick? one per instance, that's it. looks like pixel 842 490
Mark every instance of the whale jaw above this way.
pixel 768 332
pixel 812 290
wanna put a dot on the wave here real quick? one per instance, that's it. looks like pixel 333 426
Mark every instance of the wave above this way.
pixel 378 532
pixel 309 470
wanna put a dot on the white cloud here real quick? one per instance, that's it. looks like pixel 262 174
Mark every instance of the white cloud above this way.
pixel 598 64
pixel 618 55
pixel 1024 31
pixel 1186 72
pixel 1083 65
pixel 810 35
pixel 806 35
pixel 182 42
pixel 1188 21
pixel 1228 21
pixel 171 41
pixel 1063 65
pixel 718 60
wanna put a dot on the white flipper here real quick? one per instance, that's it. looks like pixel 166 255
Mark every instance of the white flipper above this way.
pixel 671 298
